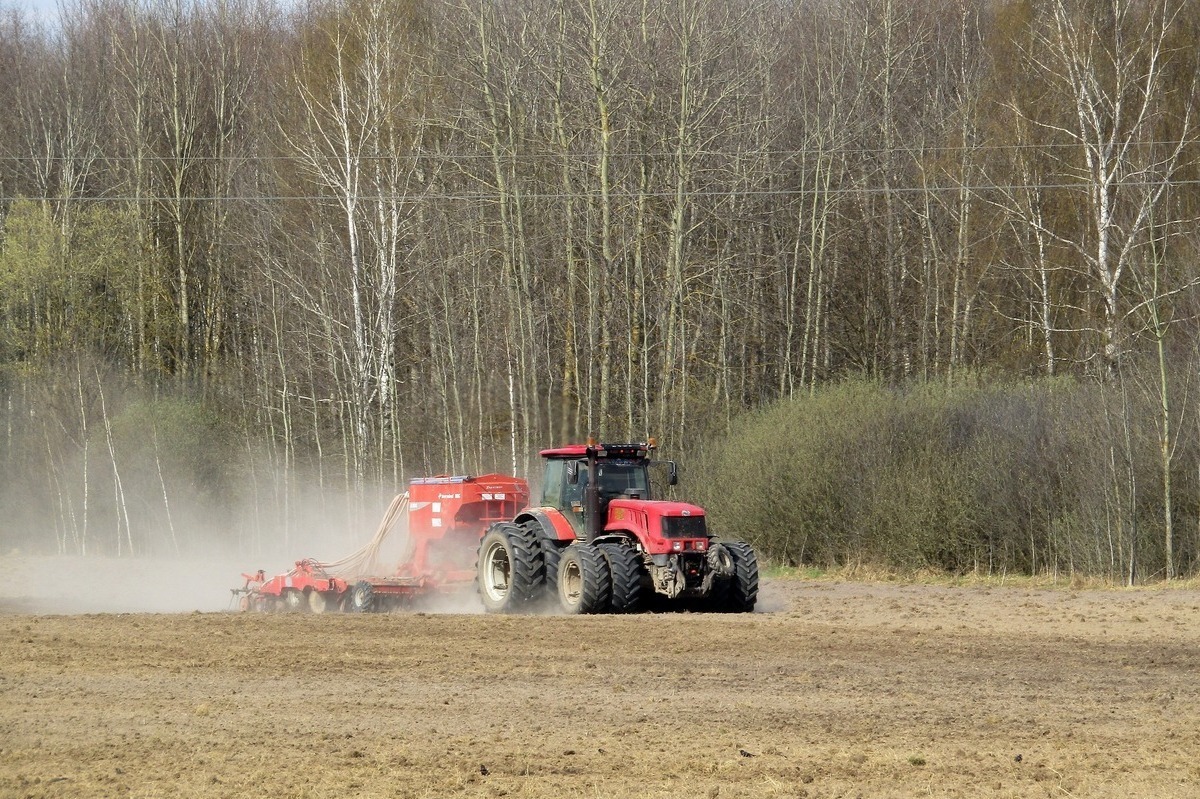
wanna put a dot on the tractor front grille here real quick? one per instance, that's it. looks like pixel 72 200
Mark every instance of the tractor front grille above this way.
pixel 684 527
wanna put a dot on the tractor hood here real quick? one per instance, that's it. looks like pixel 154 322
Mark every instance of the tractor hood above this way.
pixel 654 507
pixel 662 527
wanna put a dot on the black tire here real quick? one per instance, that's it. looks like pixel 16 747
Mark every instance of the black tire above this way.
pixel 743 586
pixel 294 601
pixel 549 551
pixel 584 580
pixel 362 597
pixel 720 561
pixel 551 555
pixel 717 600
pixel 509 571
pixel 626 568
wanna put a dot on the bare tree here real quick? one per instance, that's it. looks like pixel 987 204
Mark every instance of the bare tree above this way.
pixel 1111 69
pixel 359 144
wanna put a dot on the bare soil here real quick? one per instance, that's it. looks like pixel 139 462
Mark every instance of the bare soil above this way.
pixel 832 690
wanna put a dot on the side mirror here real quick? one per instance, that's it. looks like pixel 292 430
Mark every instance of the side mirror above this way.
pixel 573 472
pixel 672 474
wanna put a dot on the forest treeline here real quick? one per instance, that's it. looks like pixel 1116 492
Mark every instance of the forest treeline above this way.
pixel 256 256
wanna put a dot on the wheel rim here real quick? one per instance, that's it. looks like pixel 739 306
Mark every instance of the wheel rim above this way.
pixel 571 582
pixel 725 564
pixel 293 600
pixel 497 572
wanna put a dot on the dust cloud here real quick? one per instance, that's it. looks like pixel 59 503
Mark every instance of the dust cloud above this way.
pixel 193 567
pixel 94 584
pixel 72 584
pixel 69 585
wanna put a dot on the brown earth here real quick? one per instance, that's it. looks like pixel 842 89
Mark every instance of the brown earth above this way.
pixel 833 690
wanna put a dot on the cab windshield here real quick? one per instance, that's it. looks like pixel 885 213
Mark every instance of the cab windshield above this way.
pixel 618 477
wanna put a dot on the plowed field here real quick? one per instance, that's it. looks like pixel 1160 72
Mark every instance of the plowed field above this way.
pixel 832 690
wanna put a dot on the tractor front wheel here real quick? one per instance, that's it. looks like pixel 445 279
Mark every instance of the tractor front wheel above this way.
pixel 626 568
pixel 584 580
pixel 743 585
pixel 510 570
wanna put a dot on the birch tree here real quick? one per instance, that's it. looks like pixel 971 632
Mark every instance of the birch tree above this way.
pixel 1109 65
pixel 359 144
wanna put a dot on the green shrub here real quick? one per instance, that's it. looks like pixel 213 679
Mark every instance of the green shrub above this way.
pixel 1030 477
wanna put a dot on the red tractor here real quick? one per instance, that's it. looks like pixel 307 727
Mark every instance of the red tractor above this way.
pixel 601 544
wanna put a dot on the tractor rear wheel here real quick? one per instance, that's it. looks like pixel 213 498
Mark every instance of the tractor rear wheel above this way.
pixel 743 585
pixel 551 555
pixel 626 568
pixel 510 571
pixel 294 601
pixel 549 551
pixel 362 597
pixel 584 580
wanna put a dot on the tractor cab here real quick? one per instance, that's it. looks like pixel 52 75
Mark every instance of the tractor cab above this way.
pixel 583 479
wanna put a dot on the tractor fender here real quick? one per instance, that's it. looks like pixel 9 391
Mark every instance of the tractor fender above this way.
pixel 551 521
pixel 617 535
pixel 620 530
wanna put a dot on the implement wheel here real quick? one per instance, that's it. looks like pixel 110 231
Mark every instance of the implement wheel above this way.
pixel 317 602
pixel 294 601
pixel 362 597
pixel 510 571
pixel 584 580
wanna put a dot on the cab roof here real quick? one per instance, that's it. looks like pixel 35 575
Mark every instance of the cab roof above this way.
pixel 569 451
pixel 574 451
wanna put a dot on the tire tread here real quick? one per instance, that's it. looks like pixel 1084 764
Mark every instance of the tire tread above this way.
pixel 743 586
pixel 625 567
pixel 594 572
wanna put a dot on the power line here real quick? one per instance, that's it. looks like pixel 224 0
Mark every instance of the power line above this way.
pixel 620 195
pixel 558 155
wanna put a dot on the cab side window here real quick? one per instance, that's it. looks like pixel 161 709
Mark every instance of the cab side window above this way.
pixel 552 485
pixel 573 493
